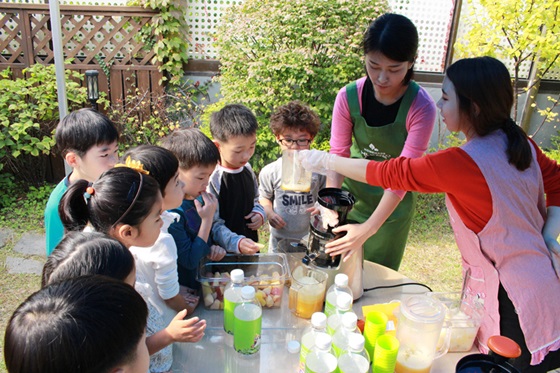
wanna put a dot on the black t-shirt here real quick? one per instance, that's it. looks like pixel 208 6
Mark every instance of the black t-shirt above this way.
pixel 374 112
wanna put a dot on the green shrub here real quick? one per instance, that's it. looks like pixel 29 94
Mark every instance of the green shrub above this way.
pixel 275 51
pixel 29 114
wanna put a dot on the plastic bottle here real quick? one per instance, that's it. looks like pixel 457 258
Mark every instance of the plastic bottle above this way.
pixel 321 359
pixel 355 359
pixel 232 297
pixel 340 285
pixel 343 305
pixel 318 325
pixel 348 325
pixel 247 323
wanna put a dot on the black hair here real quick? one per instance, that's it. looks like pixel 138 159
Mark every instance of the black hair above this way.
pixel 232 121
pixel 294 115
pixel 120 195
pixel 87 253
pixel 485 93
pixel 394 36
pixel 86 324
pixel 160 162
pixel 82 129
pixel 192 148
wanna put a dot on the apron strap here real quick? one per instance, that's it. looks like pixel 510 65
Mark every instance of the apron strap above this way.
pixel 353 103
pixel 406 102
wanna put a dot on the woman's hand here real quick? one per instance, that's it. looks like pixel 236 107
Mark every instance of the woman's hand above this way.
pixel 356 235
pixel 316 161
pixel 554 248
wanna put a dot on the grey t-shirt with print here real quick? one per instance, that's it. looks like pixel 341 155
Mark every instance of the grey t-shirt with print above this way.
pixel 291 206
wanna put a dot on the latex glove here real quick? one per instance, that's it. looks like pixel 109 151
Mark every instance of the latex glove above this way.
pixel 554 248
pixel 316 161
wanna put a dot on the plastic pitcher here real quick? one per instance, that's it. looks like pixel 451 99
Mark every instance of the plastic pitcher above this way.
pixel 419 331
pixel 307 291
pixel 294 176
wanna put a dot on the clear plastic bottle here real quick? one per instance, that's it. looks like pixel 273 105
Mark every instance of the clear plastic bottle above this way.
pixel 232 297
pixel 247 323
pixel 318 325
pixel 355 359
pixel 340 285
pixel 348 325
pixel 343 305
pixel 321 359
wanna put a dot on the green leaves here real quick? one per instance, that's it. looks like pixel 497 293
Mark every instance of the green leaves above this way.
pixel 276 51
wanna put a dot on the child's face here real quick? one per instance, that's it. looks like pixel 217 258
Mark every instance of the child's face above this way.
pixel 149 229
pixel 237 151
pixel 195 180
pixel 98 159
pixel 294 138
pixel 173 193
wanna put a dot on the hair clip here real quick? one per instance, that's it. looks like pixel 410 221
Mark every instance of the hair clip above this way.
pixel 135 165
pixel 89 192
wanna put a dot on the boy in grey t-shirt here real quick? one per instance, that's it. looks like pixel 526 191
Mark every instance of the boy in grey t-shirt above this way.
pixel 295 126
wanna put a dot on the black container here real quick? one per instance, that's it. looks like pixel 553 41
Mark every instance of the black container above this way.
pixel 316 249
pixel 480 363
pixel 337 200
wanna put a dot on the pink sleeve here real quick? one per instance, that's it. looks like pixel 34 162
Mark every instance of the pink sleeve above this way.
pixel 419 125
pixel 342 126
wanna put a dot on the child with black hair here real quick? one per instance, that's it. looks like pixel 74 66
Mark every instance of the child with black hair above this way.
pixel 197 156
pixel 126 203
pixel 156 266
pixel 234 129
pixel 87 140
pixel 63 328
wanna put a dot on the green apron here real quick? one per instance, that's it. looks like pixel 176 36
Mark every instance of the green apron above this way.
pixel 386 247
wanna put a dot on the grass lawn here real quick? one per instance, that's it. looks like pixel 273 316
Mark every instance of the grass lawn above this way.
pixel 431 256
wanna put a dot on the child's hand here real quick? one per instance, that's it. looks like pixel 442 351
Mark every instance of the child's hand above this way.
pixel 216 253
pixel 248 246
pixel 190 330
pixel 276 221
pixel 210 205
pixel 256 219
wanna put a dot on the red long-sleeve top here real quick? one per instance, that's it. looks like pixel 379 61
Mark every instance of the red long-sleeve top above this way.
pixel 453 171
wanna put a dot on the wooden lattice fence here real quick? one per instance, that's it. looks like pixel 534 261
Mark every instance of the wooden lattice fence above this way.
pixel 101 38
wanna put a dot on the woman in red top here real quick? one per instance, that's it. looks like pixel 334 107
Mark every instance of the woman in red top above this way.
pixel 495 186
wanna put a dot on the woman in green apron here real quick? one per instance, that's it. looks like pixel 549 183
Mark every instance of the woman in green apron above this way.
pixel 381 116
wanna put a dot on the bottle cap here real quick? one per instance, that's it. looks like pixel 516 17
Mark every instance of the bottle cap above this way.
pixel 349 320
pixel 341 280
pixel 323 341
pixel 319 320
pixel 344 301
pixel 237 276
pixel 293 347
pixel 356 341
pixel 248 292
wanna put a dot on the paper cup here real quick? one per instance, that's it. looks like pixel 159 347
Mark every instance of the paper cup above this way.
pixel 375 325
pixel 385 355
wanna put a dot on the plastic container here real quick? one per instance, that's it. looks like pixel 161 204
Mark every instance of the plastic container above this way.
pixel 267 273
pixel 247 323
pixel 321 359
pixel 340 285
pixel 464 319
pixel 318 325
pixel 294 176
pixel 343 305
pixel 355 359
pixel 348 326
pixel 232 297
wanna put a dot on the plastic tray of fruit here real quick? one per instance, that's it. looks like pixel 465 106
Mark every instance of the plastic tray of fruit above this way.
pixel 267 273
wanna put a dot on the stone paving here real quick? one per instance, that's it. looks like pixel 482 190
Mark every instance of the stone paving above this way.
pixel 29 244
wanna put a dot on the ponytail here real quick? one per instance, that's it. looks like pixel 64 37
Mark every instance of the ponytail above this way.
pixel 518 148
pixel 73 209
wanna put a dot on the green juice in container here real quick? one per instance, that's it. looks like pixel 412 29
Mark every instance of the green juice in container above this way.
pixel 232 297
pixel 247 323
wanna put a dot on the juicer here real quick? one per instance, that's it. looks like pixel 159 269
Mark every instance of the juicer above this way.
pixel 335 204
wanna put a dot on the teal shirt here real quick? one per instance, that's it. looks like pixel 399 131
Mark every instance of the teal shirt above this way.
pixel 54 230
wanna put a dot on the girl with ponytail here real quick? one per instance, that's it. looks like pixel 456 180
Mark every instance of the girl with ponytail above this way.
pixel 495 186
